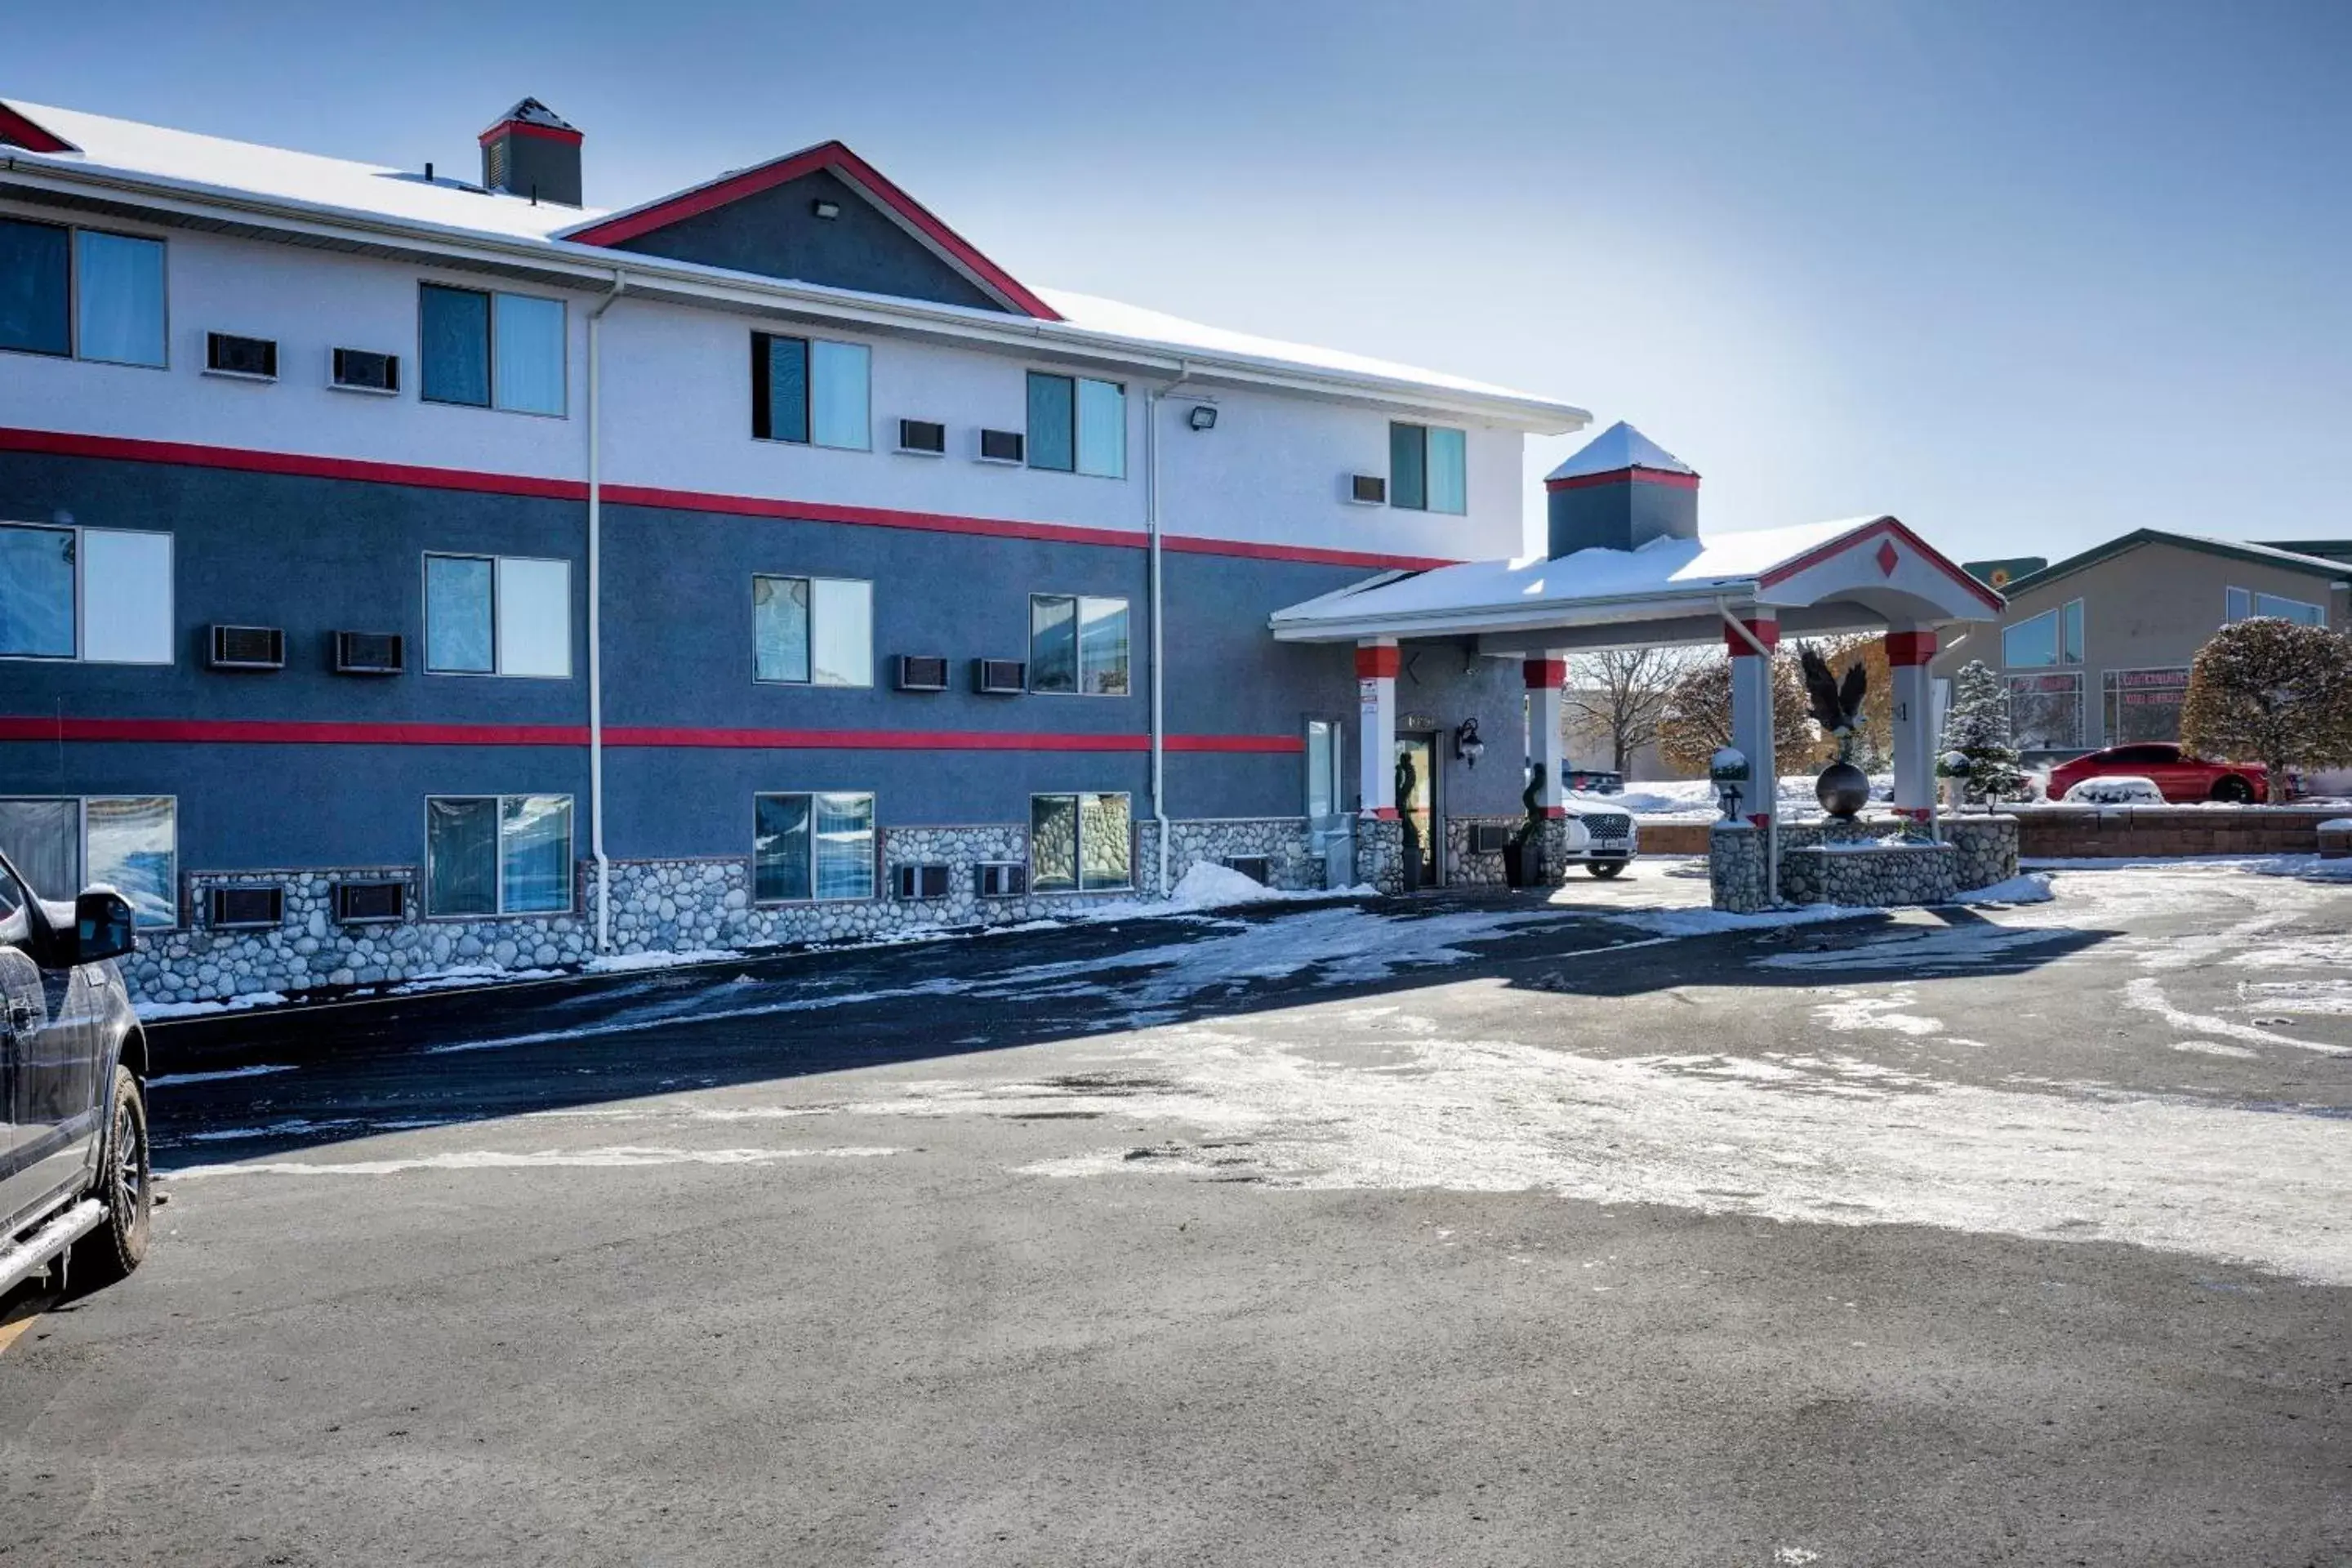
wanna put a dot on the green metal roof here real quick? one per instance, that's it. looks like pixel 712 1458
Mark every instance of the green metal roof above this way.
pixel 2228 549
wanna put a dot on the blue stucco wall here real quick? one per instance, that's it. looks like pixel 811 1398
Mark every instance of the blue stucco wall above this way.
pixel 776 235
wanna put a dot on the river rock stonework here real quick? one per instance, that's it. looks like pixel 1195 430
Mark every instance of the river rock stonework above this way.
pixel 1380 853
pixel 1465 868
pixel 1876 862
pixel 1735 868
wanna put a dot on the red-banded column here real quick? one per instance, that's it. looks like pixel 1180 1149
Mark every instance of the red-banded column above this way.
pixel 1751 707
pixel 1377 663
pixel 1545 678
pixel 1908 654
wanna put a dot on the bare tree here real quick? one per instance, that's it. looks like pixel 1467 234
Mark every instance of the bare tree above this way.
pixel 1618 697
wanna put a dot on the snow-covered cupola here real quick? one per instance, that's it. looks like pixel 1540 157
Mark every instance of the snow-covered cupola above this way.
pixel 1619 492
pixel 532 152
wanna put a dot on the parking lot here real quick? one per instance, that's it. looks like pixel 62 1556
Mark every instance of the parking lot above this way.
pixel 1456 1230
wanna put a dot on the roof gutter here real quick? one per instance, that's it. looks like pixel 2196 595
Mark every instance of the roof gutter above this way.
pixel 593 266
pixel 1419 623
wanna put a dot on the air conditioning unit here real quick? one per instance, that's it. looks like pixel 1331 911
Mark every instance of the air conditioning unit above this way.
pixel 249 648
pixel 368 653
pixel 1000 676
pixel 1000 879
pixel 1490 839
pixel 244 908
pixel 1368 490
pixel 1258 869
pixel 922 672
pixel 1003 446
pixel 357 370
pixel 926 438
pixel 918 881
pixel 370 903
pixel 256 358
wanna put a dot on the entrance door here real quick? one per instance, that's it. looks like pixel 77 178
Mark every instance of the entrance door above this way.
pixel 1423 809
pixel 1329 827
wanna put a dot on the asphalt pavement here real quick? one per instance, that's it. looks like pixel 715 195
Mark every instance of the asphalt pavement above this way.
pixel 1462 1230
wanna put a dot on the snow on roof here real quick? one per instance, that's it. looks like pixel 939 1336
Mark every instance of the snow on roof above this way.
pixel 530 111
pixel 1663 568
pixel 1095 314
pixel 247 166
pixel 371 190
pixel 1620 447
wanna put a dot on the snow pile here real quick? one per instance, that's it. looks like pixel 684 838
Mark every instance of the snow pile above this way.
pixel 156 1012
pixel 1208 886
pixel 2115 789
pixel 2025 887
pixel 627 963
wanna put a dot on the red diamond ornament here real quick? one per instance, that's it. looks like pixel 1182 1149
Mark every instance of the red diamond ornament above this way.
pixel 1886 558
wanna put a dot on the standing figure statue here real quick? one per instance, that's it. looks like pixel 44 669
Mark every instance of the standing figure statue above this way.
pixel 1408 779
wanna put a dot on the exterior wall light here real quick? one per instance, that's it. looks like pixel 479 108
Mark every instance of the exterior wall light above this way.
pixel 1467 744
pixel 1203 416
pixel 825 209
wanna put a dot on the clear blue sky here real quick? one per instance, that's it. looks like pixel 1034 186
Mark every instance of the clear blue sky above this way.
pixel 2028 275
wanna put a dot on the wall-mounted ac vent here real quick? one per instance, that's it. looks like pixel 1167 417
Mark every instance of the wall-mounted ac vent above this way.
pixel 1003 446
pixel 1490 839
pixel 357 370
pixel 255 359
pixel 370 903
pixel 918 881
pixel 368 653
pixel 249 908
pixel 249 648
pixel 922 672
pixel 999 677
pixel 1256 868
pixel 926 436
pixel 1368 490
pixel 1000 878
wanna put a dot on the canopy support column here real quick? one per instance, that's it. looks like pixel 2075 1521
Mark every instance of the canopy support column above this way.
pixel 1750 640
pixel 1545 677
pixel 1908 656
pixel 1378 661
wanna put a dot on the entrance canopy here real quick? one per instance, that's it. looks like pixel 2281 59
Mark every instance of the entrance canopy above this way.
pixel 1860 575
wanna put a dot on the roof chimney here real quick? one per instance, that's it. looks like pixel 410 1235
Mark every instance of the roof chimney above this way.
pixel 530 152
pixel 1621 491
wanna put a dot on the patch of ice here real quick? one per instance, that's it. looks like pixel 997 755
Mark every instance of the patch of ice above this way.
pixel 159 1012
pixel 2215 1048
pixel 1858 1010
pixel 629 962
pixel 2296 995
pixel 2147 995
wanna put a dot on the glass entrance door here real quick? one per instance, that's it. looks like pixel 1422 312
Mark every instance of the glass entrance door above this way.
pixel 1420 807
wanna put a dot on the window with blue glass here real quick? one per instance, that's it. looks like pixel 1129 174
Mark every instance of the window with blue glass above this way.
pixel 2052 638
pixel 1428 469
pixel 81 291
pixel 2244 603
pixel 812 391
pixel 1077 426
pixel 818 845
pixel 1077 645
pixel 498 855
pixel 483 349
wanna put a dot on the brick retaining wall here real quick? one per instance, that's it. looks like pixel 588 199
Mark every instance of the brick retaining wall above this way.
pixel 2115 832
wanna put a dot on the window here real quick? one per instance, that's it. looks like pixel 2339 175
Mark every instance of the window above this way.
pixel 811 391
pixel 486 351
pixel 1327 768
pixel 498 616
pixel 817 846
pixel 1428 469
pixel 81 291
pixel 1077 645
pixel 813 631
pixel 1079 843
pixel 2053 636
pixel 1076 426
pixel 2243 604
pixel 63 843
pixel 498 855
pixel 2045 712
pixel 91 594
pixel 2143 705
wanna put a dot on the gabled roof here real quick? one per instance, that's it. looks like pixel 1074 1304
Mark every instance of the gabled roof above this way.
pixel 861 176
pixel 1615 450
pixel 2227 549
pixel 16 130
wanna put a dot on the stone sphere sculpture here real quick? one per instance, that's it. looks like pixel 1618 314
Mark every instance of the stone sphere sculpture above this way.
pixel 1842 789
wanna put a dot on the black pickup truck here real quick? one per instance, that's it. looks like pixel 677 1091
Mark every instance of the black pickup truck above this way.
pixel 73 1110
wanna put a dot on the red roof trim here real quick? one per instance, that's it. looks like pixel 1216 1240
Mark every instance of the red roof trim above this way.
pixel 525 128
pixel 122 449
pixel 1885 526
pixel 840 160
pixel 1635 475
pixel 19 132
pixel 278 733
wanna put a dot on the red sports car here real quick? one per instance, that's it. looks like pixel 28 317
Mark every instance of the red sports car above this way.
pixel 2181 776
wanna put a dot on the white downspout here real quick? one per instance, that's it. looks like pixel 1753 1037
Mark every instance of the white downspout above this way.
pixel 596 616
pixel 1159 643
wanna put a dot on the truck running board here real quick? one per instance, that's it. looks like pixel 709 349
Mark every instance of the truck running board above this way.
pixel 21 1261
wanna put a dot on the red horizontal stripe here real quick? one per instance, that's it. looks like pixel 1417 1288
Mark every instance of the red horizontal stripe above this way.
pixel 130 449
pixel 1635 475
pixel 297 732
pixel 525 128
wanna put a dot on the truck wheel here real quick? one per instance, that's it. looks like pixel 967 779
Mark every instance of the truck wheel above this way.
pixel 1604 869
pixel 2234 790
pixel 120 1242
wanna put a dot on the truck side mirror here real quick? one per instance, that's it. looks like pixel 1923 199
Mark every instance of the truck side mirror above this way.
pixel 103 926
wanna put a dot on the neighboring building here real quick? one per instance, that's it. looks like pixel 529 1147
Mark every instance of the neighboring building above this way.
pixel 2096 648
pixel 382 555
